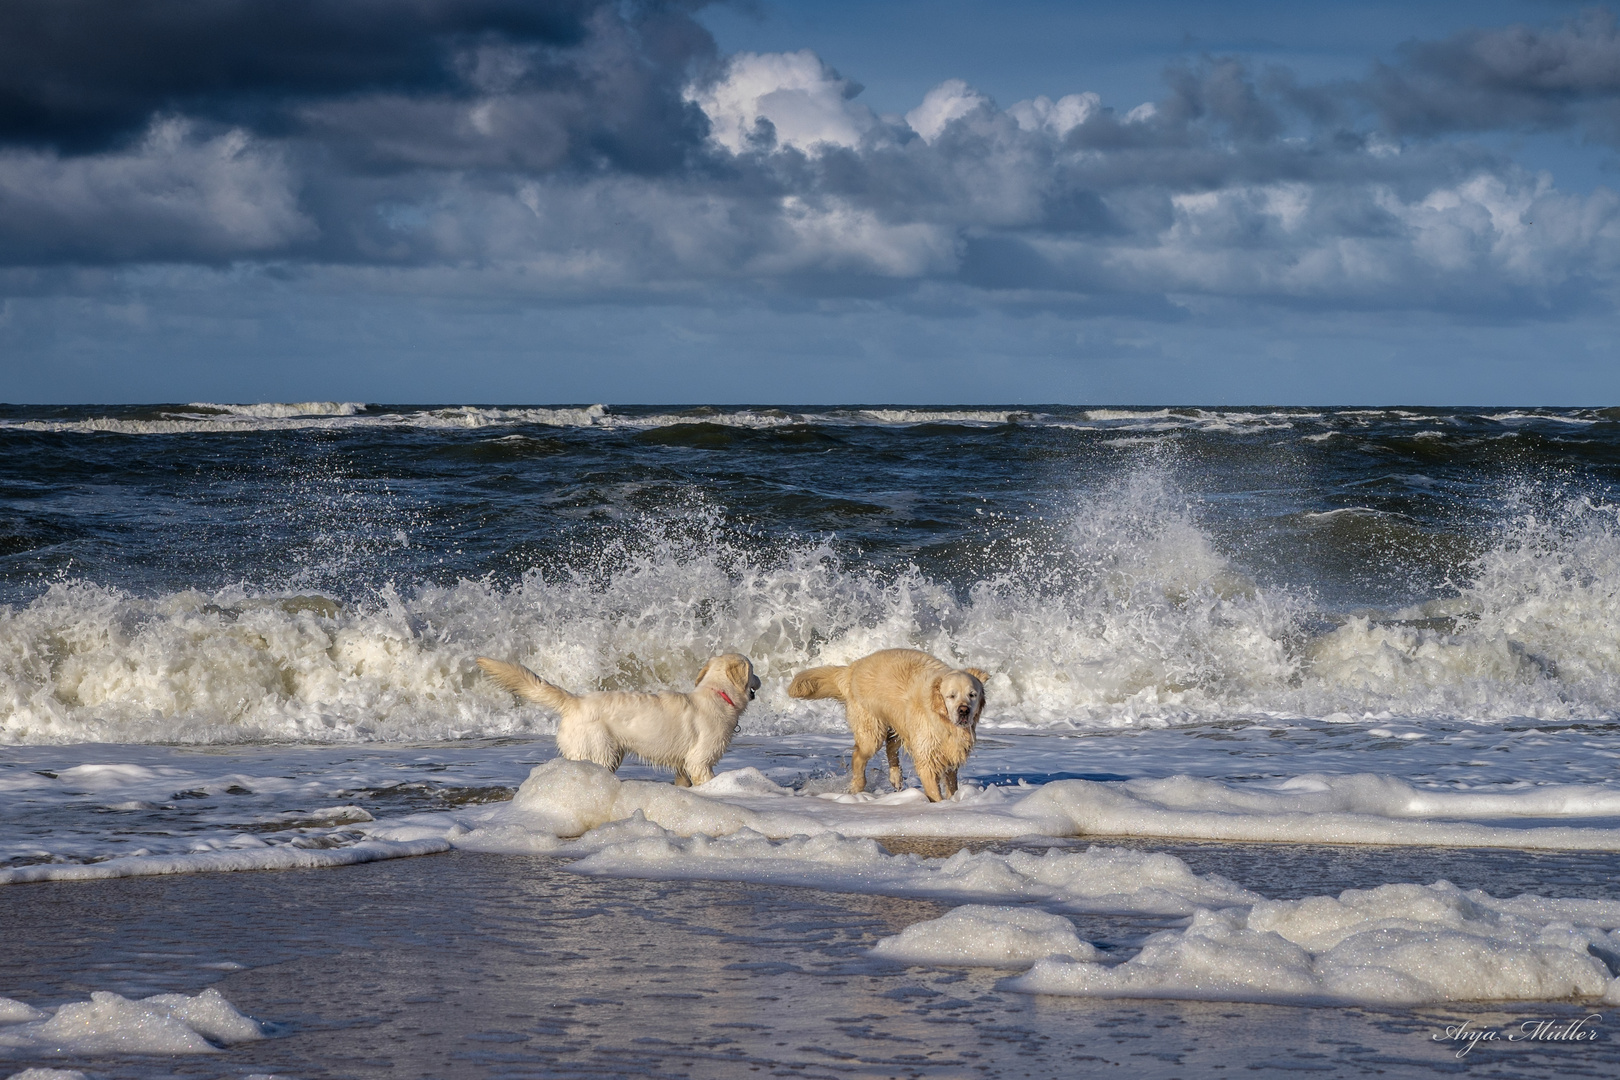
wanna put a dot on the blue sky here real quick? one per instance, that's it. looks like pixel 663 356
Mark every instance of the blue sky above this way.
pixel 950 202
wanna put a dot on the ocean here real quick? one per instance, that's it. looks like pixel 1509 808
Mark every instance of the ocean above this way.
pixel 1299 750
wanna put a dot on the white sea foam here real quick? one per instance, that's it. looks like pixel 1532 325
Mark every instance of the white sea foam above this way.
pixel 279 410
pixel 112 1024
pixel 204 418
pixel 1395 944
pixel 16 1012
pixel 564 798
pixel 744 832
pixel 211 418
pixel 1127 616
pixel 1541 417
pixel 1095 880
pixel 977 935
pixel 245 852
pixel 147 809
pixel 1391 945
pixel 945 416
pixel 92 810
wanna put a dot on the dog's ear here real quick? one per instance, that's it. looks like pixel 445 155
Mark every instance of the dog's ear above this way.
pixel 936 700
pixel 982 676
pixel 739 671
pixel 703 672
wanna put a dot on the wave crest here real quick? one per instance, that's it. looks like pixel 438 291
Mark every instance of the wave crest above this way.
pixel 1126 614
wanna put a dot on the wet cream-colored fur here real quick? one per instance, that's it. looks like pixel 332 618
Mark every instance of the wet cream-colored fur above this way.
pixel 685 732
pixel 904 696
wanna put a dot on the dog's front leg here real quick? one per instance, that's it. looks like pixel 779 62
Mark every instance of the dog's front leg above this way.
pixel 681 778
pixel 892 746
pixel 930 781
pixel 950 783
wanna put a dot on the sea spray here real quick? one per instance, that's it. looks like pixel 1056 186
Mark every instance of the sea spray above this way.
pixel 1128 615
pixel 1533 630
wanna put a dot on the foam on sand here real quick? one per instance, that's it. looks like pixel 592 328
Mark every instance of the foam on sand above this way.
pixel 112 1024
pixel 976 935
pixel 166 812
pixel 1094 880
pixel 1357 809
pixel 1395 944
pixel 565 798
pixel 1399 944
pixel 247 852
pixel 1392 945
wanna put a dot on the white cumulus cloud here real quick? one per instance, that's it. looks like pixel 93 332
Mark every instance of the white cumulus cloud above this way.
pixel 806 104
pixel 950 100
pixel 1059 117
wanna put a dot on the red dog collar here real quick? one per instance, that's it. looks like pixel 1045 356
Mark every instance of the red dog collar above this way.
pixel 724 697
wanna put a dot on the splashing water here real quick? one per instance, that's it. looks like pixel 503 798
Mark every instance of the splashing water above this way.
pixel 1126 614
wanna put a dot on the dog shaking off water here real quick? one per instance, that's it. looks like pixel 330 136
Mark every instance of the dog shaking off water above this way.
pixel 904 696
pixel 684 732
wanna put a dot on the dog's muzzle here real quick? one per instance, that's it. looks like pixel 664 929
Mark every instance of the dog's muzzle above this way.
pixel 964 715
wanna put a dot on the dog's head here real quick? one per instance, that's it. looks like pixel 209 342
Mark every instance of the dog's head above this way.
pixel 959 697
pixel 733 670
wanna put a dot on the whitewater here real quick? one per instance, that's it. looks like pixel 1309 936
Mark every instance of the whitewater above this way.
pixel 1288 710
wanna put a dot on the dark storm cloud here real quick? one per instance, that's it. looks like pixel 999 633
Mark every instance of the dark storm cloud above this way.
pixel 84 75
pixel 80 73
pixel 173 197
pixel 1514 78
pixel 211 130
pixel 597 149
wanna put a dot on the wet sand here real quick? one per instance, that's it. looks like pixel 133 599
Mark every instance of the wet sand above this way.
pixel 466 965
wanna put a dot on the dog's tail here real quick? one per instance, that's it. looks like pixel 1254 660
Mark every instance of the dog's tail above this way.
pixel 821 682
pixel 525 683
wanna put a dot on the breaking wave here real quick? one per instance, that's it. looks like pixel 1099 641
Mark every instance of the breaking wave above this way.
pixel 215 418
pixel 1126 614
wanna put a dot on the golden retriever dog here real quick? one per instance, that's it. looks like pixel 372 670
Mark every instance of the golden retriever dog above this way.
pixel 904 696
pixel 684 732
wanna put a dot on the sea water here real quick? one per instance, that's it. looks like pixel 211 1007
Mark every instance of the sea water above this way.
pixel 242 638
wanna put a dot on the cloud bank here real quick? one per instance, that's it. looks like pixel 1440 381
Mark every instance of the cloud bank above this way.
pixel 586 149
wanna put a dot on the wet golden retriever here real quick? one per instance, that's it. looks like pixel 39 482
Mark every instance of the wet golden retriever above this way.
pixel 685 732
pixel 904 696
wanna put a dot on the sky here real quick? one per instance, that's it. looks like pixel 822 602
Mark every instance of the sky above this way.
pixel 952 202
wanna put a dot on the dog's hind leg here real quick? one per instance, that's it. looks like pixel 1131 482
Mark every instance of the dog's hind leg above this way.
pixel 868 738
pixel 581 740
pixel 681 779
pixel 950 782
pixel 891 746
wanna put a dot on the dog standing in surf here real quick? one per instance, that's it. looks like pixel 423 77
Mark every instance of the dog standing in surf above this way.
pixel 904 696
pixel 685 732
